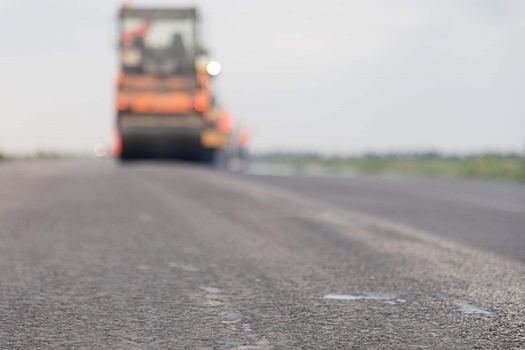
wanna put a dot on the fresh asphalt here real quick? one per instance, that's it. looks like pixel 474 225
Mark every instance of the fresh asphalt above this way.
pixel 486 214
pixel 145 255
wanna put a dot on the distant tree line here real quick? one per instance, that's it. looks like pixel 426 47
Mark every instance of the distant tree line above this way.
pixel 426 155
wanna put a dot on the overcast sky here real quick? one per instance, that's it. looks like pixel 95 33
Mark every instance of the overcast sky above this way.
pixel 331 76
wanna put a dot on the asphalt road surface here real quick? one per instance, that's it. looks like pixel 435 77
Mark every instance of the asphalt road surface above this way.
pixel 485 214
pixel 96 254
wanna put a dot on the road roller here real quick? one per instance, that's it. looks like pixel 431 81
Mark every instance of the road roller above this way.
pixel 165 103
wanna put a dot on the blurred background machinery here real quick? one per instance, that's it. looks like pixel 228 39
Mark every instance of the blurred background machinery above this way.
pixel 166 106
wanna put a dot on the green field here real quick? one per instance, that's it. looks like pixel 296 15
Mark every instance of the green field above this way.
pixel 485 166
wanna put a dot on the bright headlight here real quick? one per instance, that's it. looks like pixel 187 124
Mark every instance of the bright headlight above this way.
pixel 214 68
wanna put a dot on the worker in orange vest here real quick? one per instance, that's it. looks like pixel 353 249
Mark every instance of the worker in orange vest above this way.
pixel 225 121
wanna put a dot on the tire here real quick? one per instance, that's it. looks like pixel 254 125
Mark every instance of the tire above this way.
pixel 208 156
